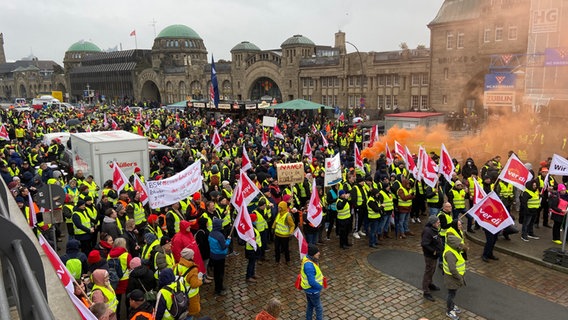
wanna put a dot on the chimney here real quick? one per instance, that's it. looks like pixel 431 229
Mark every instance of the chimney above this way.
pixel 2 54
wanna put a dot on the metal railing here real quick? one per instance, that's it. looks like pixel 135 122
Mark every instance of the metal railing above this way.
pixel 22 282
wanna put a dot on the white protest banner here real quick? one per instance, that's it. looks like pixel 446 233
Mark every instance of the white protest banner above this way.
pixel 289 173
pixel 173 189
pixel 332 171
pixel 558 166
pixel 269 121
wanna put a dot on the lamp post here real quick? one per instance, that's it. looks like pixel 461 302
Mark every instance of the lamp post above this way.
pixel 362 76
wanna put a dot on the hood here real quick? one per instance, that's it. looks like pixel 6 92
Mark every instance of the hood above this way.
pixel 217 224
pixel 98 276
pixel 183 225
pixel 166 277
pixel 109 220
pixel 73 246
pixel 116 252
pixel 139 271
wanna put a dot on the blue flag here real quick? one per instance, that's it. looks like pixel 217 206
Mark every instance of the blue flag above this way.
pixel 214 90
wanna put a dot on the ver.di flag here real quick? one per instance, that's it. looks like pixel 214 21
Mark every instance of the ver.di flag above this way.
pixel 515 173
pixel 490 213
pixel 119 179
pixel 446 166
pixel 245 163
pixel 410 164
pixel 358 160
pixel 277 133
pixel 245 191
pixel 227 122
pixel 264 141
pixel 139 186
pixel 216 141
pixel 4 133
pixel 307 148
pixel 244 227
pixel 66 278
pixel 302 244
pixel 478 192
pixel 324 140
pixel 428 169
pixel 388 155
pixel 399 149
pixel 314 207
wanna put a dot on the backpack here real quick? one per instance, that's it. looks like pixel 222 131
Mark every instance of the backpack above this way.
pixel 180 301
pixel 75 267
pixel 115 272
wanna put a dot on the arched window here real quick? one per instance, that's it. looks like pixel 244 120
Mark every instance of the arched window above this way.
pixel 182 91
pixel 169 92
pixel 196 92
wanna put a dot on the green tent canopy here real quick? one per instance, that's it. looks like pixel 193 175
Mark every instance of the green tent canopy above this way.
pixel 182 103
pixel 298 104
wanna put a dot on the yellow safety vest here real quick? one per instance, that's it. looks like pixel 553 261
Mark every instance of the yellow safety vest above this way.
pixel 257 239
pixel 179 271
pixel 459 199
pixel 282 228
pixel 85 221
pixel 168 296
pixel 506 189
pixel 177 220
pixel 387 201
pixel 372 214
pixel 449 218
pixel 405 203
pixel 344 213
pixel 139 214
pixel 534 201
pixel 460 264
pixel 304 277
pixel 109 294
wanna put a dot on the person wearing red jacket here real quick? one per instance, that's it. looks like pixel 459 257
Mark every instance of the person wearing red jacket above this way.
pixel 184 239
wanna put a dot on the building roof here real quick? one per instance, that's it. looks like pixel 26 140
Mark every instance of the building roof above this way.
pixel 23 65
pixel 297 39
pixel 245 46
pixel 457 10
pixel 111 67
pixel 84 46
pixel 413 114
pixel 178 31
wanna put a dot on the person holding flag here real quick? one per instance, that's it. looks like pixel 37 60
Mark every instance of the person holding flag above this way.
pixel 252 254
pixel 312 282
pixel 530 203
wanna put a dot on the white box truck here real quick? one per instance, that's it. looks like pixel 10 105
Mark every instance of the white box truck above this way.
pixel 94 152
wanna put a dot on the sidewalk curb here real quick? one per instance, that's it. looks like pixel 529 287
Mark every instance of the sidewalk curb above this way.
pixel 520 255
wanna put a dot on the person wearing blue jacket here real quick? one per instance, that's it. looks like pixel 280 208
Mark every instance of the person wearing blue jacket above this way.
pixel 219 246
pixel 312 282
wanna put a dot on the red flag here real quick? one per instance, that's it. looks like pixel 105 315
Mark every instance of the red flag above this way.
pixel 140 132
pixel 245 163
pixel 399 149
pixel 244 227
pixel 227 122
pixel 374 136
pixel 139 186
pixel 4 133
pixel 307 148
pixel 314 129
pixel 147 125
pixel 119 179
pixel 139 116
pixel 410 164
pixel 88 128
pixel 446 166
pixel 245 191
pixel 302 244
pixel 429 172
pixel 211 92
pixel 133 33
pixel 490 213
pixel 277 133
pixel 515 173
pixel 32 218
pixel 216 140
pixel 114 125
pixel 264 141
pixel 478 192
pixel 65 277
pixel 341 117
pixel 314 207
pixel 358 159
pixel 325 143
pixel 388 155
pixel 105 121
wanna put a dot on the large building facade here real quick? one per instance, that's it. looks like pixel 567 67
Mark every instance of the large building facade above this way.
pixel 472 42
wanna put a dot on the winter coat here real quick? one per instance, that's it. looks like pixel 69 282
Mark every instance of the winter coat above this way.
pixel 431 242
pixel 139 276
pixel 184 239
pixel 455 280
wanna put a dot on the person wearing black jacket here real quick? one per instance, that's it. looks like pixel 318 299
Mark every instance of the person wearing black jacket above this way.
pixel 432 248
pixel 435 199
pixel 141 277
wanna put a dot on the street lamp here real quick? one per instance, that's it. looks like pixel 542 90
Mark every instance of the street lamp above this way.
pixel 362 100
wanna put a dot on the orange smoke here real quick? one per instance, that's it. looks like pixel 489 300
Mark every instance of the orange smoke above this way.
pixel 523 133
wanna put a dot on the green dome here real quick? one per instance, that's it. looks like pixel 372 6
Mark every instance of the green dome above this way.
pixel 84 46
pixel 297 39
pixel 178 31
pixel 245 46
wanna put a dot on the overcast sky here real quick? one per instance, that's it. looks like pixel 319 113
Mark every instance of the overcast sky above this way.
pixel 47 28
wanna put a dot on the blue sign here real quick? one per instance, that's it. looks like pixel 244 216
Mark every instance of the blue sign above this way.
pixel 499 81
pixel 555 57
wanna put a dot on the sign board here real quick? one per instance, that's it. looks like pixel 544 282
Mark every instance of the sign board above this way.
pixel 224 106
pixel 332 171
pixel 199 104
pixel 269 121
pixel 176 188
pixel 555 57
pixel 290 173
pixel 263 105
pixel 250 106
pixel 544 20
pixel 499 81
pixel 499 99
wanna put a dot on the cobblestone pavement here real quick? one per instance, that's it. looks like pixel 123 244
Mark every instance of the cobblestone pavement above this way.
pixel 359 291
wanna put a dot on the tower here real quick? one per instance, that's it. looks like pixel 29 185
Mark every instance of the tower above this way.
pixel 2 55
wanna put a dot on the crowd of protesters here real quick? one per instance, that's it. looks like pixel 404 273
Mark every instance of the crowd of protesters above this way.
pixel 141 256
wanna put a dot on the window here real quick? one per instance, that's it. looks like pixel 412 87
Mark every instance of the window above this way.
pixel 513 33
pixel 449 39
pixel 446 73
pixel 445 99
pixel 394 101
pixel 424 102
pixel 459 44
pixel 499 33
pixel 395 80
pixel 415 79
pixel 414 102
pixel 388 80
pixel 388 102
pixel 351 81
pixel 486 35
pixel 381 101
pixel 425 79
pixel 324 100
pixel 323 84
pixel 381 80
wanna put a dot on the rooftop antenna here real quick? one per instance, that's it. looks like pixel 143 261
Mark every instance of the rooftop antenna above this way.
pixel 153 24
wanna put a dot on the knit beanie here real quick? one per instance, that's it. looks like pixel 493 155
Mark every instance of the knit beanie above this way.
pixel 135 262
pixel 94 257
pixel 187 253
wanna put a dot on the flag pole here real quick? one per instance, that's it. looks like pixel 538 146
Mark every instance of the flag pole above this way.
pixel 135 41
